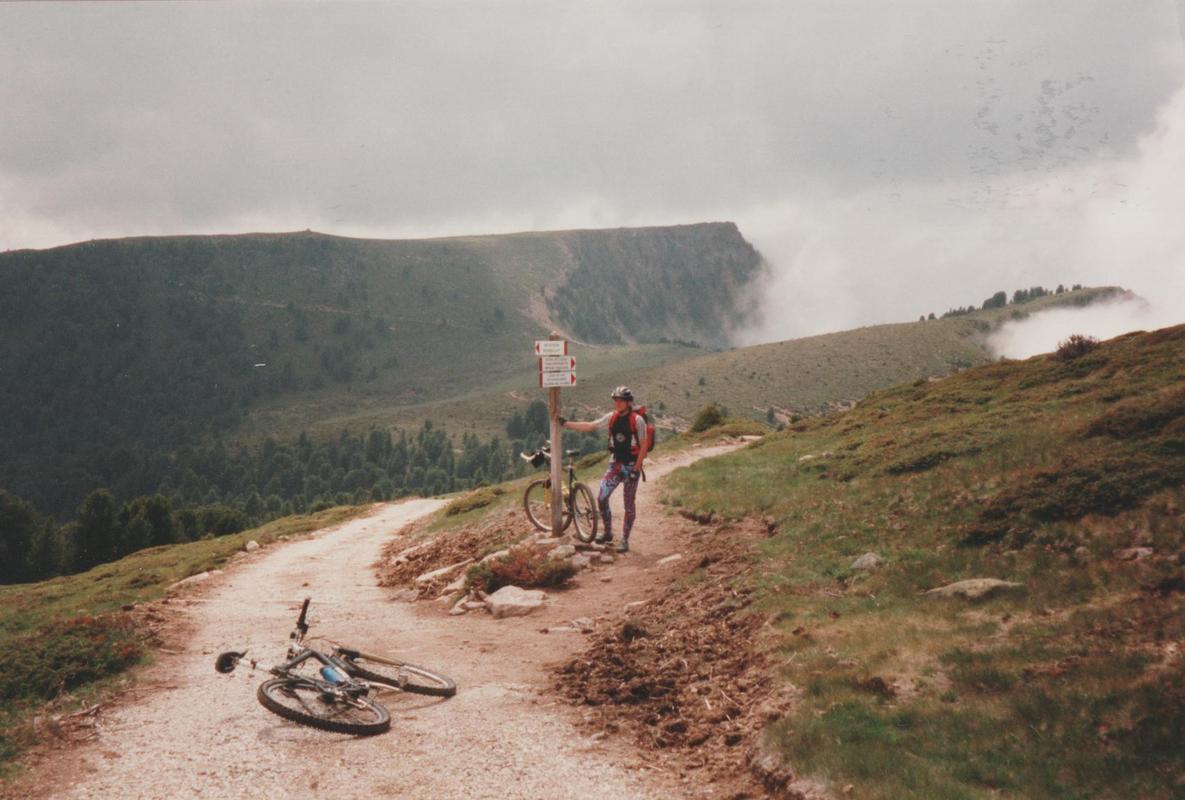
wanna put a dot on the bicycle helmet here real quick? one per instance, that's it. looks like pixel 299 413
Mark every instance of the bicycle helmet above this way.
pixel 623 393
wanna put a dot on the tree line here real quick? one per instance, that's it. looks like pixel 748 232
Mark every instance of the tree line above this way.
pixel 1000 300
pixel 214 490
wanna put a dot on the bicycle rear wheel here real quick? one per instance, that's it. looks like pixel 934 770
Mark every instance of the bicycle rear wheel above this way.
pixel 584 513
pixel 303 701
pixel 537 504
pixel 395 674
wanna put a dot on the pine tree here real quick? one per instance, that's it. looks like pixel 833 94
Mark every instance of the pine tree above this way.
pixel 97 535
pixel 18 527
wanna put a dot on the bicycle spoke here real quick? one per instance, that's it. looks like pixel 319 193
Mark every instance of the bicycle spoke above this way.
pixel 291 692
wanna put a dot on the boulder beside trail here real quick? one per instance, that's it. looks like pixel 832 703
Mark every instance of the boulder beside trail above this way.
pixel 974 588
pixel 867 561
pixel 511 601
pixel 562 551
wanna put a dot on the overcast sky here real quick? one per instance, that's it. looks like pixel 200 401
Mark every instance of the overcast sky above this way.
pixel 889 158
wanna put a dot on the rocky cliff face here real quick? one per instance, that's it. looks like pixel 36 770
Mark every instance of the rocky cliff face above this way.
pixel 648 284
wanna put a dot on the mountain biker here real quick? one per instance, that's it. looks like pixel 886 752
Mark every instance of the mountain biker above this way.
pixel 628 445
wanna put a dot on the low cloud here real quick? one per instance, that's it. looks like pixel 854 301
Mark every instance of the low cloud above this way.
pixel 1042 332
pixel 1139 243
pixel 891 256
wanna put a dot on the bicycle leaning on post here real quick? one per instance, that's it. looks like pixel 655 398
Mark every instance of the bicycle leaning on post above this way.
pixel 579 504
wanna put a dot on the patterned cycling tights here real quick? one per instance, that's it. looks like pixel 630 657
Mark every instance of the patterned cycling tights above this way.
pixel 617 474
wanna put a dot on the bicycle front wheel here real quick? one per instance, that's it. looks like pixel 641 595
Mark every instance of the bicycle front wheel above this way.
pixel 584 512
pixel 537 504
pixel 304 702
pixel 394 674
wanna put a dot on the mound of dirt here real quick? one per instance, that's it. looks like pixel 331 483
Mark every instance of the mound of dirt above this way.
pixel 686 672
pixel 412 554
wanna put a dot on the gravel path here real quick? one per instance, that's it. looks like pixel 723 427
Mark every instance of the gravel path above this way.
pixel 194 733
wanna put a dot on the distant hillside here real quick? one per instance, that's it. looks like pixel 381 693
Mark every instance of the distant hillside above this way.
pixel 799 376
pixel 110 347
pixel 817 373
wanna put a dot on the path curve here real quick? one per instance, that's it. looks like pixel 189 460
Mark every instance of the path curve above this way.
pixel 195 733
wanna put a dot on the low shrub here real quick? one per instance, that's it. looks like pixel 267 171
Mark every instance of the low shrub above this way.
pixel 1140 417
pixel 708 417
pixel 1074 489
pixel 923 461
pixel 524 567
pixel 1075 347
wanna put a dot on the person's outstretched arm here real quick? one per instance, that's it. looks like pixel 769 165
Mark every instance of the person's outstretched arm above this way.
pixel 584 427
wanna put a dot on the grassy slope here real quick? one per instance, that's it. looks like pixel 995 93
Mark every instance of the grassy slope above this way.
pixel 66 636
pixel 1036 472
pixel 483 410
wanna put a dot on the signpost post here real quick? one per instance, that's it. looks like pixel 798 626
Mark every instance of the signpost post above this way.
pixel 556 370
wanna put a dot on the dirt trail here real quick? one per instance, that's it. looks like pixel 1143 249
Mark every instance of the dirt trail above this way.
pixel 195 733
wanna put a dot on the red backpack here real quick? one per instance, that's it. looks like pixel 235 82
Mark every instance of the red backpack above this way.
pixel 640 411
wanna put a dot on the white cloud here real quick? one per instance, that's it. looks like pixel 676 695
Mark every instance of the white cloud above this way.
pixel 889 159
pixel 882 257
pixel 1138 242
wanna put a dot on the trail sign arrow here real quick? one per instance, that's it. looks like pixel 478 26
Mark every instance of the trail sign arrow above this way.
pixel 557 363
pixel 557 380
pixel 551 347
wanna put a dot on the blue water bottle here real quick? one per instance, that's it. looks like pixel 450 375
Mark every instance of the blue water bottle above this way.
pixel 332 675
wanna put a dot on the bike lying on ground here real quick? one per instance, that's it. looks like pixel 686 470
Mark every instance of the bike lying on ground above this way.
pixel 579 505
pixel 337 697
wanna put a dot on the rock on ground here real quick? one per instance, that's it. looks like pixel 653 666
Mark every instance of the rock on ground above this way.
pixel 974 588
pixel 428 577
pixel 456 585
pixel 198 578
pixel 867 561
pixel 511 601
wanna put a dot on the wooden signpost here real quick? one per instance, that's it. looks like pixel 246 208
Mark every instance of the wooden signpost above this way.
pixel 556 370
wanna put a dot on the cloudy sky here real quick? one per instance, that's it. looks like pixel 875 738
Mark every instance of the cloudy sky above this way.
pixel 889 158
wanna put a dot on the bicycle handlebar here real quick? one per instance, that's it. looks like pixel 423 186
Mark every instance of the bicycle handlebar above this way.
pixel 543 454
pixel 301 624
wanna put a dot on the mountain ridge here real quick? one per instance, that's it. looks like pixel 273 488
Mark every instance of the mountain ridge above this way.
pixel 163 341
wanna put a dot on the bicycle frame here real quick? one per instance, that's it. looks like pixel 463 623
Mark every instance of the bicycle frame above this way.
pixel 297 655
pixel 541 456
